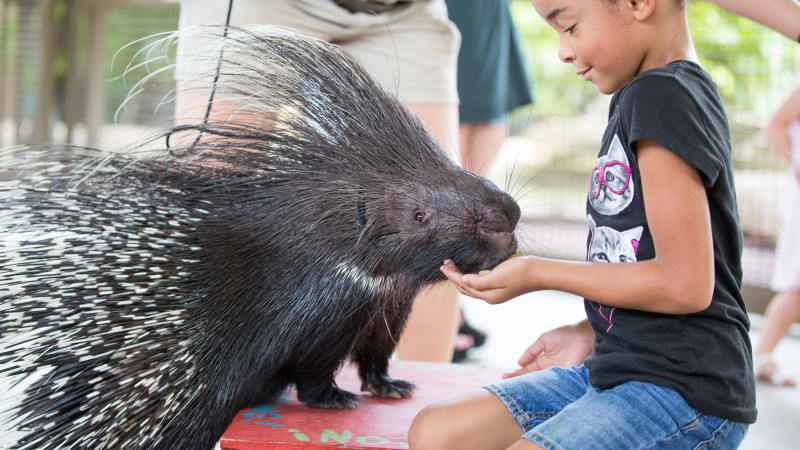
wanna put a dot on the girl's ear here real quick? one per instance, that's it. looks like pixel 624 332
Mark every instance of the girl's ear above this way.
pixel 641 9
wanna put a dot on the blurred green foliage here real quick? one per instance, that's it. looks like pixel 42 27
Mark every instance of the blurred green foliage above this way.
pixel 752 65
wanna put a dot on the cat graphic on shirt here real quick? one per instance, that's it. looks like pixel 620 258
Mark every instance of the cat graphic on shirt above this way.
pixel 611 246
pixel 611 188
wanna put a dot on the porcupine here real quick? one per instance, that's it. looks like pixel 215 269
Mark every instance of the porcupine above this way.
pixel 145 301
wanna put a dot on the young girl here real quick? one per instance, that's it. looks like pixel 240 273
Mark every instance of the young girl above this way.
pixel 664 359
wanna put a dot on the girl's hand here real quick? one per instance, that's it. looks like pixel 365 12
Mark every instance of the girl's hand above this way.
pixel 504 282
pixel 565 346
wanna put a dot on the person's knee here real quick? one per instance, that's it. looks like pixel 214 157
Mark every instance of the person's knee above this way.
pixel 429 430
pixel 474 420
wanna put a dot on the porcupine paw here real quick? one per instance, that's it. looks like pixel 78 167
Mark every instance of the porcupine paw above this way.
pixel 330 397
pixel 385 387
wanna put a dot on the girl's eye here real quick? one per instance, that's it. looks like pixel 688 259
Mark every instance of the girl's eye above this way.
pixel 570 30
pixel 419 216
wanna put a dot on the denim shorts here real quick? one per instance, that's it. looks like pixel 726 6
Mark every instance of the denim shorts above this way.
pixel 557 408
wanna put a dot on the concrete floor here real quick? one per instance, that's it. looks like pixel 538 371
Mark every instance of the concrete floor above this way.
pixel 513 326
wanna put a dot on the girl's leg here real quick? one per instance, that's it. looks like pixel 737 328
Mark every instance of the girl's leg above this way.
pixel 476 420
pixel 498 416
pixel 524 444
pixel 635 415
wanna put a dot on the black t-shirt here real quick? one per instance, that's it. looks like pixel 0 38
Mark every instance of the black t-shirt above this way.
pixel 706 356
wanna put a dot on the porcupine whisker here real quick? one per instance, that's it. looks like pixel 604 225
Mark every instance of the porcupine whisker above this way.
pixel 520 144
pixel 92 172
pixel 139 85
pixel 168 97
pixel 528 184
pixel 166 38
pixel 396 53
pixel 138 88
pixel 388 330
pixel 510 175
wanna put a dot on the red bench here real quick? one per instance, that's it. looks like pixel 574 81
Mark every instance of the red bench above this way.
pixel 377 423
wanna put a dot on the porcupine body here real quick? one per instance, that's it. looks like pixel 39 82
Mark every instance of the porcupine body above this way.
pixel 145 301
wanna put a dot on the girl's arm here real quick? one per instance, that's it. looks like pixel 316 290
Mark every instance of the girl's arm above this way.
pixel 679 280
pixel 782 16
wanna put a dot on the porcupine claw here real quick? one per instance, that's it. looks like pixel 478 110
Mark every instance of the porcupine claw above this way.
pixel 385 387
pixel 327 397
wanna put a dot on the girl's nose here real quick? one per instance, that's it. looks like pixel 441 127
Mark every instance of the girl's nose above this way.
pixel 565 52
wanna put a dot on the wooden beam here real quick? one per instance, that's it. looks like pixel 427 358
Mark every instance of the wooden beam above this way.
pixel 43 118
pixel 96 98
pixel 71 77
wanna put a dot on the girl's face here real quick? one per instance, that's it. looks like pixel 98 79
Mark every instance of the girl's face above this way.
pixel 597 38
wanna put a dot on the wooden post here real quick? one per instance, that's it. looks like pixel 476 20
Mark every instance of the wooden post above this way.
pixel 95 108
pixel 5 90
pixel 43 118
pixel 25 12
pixel 71 77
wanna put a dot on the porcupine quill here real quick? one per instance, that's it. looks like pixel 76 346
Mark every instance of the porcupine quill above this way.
pixel 145 300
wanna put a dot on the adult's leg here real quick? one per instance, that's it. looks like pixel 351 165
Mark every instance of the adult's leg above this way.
pixel 433 324
pixel 480 143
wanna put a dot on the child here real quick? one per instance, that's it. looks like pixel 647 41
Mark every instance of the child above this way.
pixel 784 309
pixel 670 363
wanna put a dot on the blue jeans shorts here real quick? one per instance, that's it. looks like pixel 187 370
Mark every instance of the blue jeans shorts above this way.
pixel 557 408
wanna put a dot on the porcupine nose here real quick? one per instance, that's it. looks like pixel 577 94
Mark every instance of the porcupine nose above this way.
pixel 497 226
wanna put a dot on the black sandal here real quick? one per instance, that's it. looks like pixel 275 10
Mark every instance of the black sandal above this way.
pixel 465 330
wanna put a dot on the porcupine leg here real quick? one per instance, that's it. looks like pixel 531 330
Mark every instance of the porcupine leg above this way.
pixel 374 372
pixel 372 356
pixel 323 393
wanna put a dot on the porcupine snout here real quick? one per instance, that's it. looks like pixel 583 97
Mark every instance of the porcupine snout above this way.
pixel 497 221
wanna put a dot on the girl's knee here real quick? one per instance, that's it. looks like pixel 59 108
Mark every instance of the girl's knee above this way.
pixel 475 420
pixel 428 429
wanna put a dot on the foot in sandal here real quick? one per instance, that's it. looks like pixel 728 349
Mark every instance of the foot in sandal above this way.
pixel 768 372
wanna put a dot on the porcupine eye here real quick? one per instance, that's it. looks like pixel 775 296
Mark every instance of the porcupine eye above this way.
pixel 423 217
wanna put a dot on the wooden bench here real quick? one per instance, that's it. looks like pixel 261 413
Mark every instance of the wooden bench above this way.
pixel 377 423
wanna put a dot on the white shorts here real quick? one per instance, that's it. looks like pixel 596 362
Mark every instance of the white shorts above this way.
pixel 786 274
pixel 412 51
